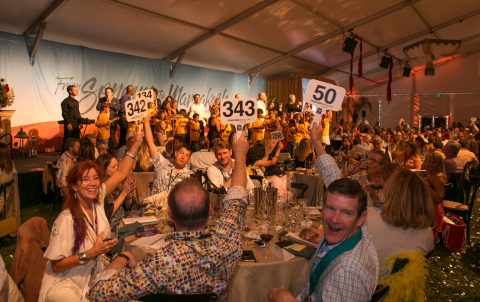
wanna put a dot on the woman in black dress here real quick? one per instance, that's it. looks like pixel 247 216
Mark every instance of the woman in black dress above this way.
pixel 213 126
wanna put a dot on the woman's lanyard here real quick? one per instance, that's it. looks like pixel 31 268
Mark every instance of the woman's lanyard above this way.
pixel 93 227
pixel 170 178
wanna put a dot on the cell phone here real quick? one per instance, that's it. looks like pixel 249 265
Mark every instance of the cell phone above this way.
pixel 259 243
pixel 284 243
pixel 248 256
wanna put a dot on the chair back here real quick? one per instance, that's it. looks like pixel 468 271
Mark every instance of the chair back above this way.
pixel 300 186
pixel 28 263
pixel 471 198
pixel 3 190
pixel 457 191
pixel 142 179
pixel 195 297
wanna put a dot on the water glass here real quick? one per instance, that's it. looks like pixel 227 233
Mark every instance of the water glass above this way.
pixel 319 203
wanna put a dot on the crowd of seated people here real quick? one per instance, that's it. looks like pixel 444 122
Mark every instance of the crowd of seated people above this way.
pixel 368 214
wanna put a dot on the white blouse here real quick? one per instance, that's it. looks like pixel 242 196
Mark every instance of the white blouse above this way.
pixel 62 241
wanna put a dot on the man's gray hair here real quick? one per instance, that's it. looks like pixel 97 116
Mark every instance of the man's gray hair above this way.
pixel 385 157
pixel 130 135
pixel 376 138
pixel 453 146
pixel 90 136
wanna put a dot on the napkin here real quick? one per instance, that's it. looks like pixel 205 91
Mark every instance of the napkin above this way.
pixel 124 232
pixel 307 252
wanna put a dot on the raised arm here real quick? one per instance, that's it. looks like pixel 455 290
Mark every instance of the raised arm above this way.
pixel 125 165
pixel 324 163
pixel 240 149
pixel 149 138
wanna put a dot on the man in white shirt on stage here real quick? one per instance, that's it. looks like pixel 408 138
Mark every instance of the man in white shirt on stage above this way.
pixel 262 102
pixel 199 108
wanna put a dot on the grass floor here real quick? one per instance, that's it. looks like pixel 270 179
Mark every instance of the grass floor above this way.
pixel 454 275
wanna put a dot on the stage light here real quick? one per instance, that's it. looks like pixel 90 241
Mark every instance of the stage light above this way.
pixel 429 70
pixel 385 61
pixel 349 44
pixel 407 70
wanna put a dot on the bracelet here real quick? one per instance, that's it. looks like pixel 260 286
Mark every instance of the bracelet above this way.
pixel 131 155
pixel 123 256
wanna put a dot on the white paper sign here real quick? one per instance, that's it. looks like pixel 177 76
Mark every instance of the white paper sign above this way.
pixel 281 253
pixel 145 94
pixel 324 96
pixel 276 135
pixel 136 110
pixel 473 119
pixel 238 112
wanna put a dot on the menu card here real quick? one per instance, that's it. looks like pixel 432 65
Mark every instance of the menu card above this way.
pixel 281 253
pixel 143 220
pixel 153 242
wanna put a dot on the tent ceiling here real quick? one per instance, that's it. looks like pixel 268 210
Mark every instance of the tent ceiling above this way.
pixel 280 31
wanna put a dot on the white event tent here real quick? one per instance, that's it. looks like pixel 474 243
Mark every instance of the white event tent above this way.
pixel 274 38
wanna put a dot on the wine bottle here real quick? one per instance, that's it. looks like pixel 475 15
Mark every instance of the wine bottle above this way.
pixel 212 188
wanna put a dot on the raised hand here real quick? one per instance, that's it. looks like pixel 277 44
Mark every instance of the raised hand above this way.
pixel 316 133
pixel 270 146
pixel 240 146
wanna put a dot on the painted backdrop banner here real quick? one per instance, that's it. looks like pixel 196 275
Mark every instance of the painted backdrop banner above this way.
pixel 41 87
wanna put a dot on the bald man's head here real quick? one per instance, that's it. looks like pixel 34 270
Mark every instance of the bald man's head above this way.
pixel 190 204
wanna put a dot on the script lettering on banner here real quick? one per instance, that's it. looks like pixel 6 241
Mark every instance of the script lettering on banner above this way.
pixel 324 96
pixel 136 110
pixel 238 112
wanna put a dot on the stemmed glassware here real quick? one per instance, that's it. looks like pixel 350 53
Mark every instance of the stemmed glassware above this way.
pixel 267 234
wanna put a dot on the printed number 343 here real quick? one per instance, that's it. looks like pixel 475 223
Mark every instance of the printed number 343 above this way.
pixel 239 109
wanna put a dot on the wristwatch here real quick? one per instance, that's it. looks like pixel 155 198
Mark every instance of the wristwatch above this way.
pixel 82 259
pixel 123 256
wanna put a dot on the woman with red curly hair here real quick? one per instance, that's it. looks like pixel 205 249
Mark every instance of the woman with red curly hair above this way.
pixel 77 245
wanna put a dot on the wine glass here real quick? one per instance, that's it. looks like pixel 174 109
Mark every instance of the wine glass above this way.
pixel 319 204
pixel 267 235
pixel 376 184
pixel 142 203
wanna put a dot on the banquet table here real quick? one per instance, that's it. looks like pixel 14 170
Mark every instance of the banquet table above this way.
pixel 315 186
pixel 253 280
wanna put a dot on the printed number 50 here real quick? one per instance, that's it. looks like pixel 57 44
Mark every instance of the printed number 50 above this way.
pixel 322 94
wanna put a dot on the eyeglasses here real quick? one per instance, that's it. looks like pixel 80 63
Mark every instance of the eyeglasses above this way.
pixel 373 160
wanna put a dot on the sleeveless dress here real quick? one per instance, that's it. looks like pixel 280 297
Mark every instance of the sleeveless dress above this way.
pixel 212 131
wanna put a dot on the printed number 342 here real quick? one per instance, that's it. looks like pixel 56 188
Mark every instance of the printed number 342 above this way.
pixel 138 107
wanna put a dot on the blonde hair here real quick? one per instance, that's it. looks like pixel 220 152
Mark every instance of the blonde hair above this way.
pixel 388 170
pixel 408 202
pixel 439 160
pixel 303 148
pixel 144 157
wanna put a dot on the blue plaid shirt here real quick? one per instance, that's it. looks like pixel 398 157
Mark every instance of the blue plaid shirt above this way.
pixel 353 275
